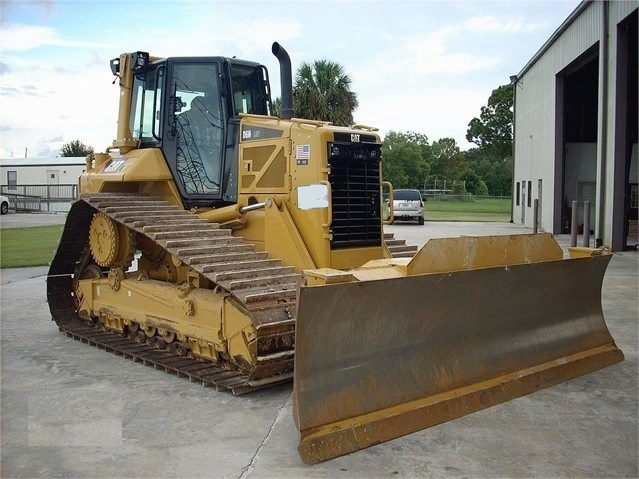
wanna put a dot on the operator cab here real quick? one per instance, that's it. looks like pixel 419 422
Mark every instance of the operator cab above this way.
pixel 189 107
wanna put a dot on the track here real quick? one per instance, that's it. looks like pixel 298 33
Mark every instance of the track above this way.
pixel 259 285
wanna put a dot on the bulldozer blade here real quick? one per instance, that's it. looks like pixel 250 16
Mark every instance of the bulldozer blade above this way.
pixel 380 359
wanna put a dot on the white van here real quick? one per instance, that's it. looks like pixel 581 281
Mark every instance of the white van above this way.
pixel 408 205
pixel 4 205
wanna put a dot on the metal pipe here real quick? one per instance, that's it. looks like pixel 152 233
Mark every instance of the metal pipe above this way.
pixel 232 212
pixel 513 147
pixel 602 129
pixel 573 225
pixel 286 80
pixel 586 237
pixel 253 207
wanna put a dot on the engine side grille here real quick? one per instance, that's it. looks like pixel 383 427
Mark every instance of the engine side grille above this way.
pixel 355 184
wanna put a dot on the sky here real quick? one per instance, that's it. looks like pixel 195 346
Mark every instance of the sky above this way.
pixel 421 66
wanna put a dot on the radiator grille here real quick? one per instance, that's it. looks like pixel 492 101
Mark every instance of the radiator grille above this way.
pixel 355 184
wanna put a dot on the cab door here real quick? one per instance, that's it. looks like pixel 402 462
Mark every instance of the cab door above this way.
pixel 194 139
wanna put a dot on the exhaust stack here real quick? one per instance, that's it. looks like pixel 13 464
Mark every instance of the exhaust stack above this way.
pixel 286 80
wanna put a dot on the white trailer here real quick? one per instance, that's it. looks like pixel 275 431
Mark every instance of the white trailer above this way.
pixel 41 184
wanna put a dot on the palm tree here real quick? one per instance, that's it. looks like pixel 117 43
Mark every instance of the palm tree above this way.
pixel 322 91
pixel 277 107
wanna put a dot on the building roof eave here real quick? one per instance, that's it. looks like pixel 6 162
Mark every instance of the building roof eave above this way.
pixel 562 28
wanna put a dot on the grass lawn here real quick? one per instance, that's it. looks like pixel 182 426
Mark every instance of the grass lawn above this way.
pixel 23 247
pixel 465 216
pixel 479 209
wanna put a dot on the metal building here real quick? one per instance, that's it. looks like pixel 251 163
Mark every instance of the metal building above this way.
pixel 41 184
pixel 575 126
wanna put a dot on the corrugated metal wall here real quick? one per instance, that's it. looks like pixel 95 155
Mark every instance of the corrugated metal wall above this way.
pixel 536 113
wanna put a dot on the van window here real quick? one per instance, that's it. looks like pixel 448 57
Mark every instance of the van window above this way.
pixel 407 195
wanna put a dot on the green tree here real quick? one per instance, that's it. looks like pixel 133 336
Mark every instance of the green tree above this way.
pixel 421 140
pixel 322 91
pixel 496 173
pixel 492 133
pixel 500 176
pixel 448 160
pixel 75 148
pixel 493 130
pixel 474 184
pixel 404 161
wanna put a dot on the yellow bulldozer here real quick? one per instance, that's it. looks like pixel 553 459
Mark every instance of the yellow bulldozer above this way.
pixel 241 249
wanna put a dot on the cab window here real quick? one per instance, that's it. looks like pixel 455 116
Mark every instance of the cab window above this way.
pixel 145 121
pixel 250 94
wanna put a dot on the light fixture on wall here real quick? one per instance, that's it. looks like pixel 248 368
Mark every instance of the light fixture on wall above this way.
pixel 515 80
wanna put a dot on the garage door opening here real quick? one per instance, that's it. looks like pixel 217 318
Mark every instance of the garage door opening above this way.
pixel 580 83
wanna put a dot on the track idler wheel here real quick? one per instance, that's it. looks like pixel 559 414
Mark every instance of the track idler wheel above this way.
pixel 112 244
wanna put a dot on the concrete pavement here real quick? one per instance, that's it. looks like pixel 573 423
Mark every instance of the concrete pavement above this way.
pixel 71 410
pixel 22 220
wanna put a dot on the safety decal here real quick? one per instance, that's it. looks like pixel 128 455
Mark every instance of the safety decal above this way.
pixel 303 154
pixel 115 166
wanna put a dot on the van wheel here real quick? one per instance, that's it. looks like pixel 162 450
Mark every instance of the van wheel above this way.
pixel 420 220
pixel 4 209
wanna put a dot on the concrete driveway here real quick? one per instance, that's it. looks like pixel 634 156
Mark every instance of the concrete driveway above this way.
pixel 72 410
